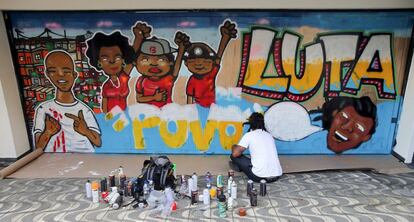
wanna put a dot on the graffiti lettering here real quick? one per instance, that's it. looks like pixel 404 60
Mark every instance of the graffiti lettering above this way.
pixel 275 68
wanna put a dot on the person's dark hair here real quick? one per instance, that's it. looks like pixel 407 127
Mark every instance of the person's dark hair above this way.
pixel 256 121
pixel 364 106
pixel 100 40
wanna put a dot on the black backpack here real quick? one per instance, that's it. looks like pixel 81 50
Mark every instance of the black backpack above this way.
pixel 159 169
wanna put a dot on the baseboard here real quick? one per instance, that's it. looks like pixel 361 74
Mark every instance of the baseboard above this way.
pixel 17 158
pixel 398 156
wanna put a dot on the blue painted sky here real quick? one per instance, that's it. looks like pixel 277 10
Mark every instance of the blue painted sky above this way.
pixel 339 20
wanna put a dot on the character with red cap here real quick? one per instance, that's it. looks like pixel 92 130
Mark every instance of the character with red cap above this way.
pixel 155 61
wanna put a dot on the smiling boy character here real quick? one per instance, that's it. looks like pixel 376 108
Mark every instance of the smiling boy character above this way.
pixel 155 61
pixel 204 63
pixel 350 122
pixel 64 124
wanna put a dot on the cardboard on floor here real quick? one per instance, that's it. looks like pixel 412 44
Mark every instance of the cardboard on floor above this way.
pixel 57 165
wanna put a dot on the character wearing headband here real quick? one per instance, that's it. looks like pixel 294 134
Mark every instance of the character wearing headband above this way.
pixel 204 63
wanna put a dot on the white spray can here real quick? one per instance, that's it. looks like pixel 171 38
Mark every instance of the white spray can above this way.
pixel 190 186
pixel 88 189
pixel 234 190
pixel 206 196
pixel 195 181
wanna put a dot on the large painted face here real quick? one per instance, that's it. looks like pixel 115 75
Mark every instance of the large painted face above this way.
pixel 111 60
pixel 155 66
pixel 348 130
pixel 199 66
pixel 60 70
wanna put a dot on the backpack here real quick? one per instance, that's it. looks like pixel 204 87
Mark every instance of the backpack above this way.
pixel 159 169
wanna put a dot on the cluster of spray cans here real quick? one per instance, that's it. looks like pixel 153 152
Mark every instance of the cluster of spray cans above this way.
pixel 119 187
pixel 252 192
pixel 225 194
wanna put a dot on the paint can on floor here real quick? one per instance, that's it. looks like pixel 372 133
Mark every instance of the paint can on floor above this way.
pixel 249 187
pixel 263 189
pixel 112 179
pixel 253 197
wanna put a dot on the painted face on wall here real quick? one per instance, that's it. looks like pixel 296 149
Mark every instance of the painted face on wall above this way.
pixel 111 60
pixel 60 70
pixel 155 66
pixel 199 66
pixel 348 130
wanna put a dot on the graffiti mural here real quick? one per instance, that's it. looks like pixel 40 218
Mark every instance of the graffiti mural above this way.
pixel 184 83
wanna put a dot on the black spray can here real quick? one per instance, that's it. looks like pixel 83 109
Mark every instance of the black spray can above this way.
pixel 111 179
pixel 104 185
pixel 249 187
pixel 122 182
pixel 253 197
pixel 263 189
pixel 194 197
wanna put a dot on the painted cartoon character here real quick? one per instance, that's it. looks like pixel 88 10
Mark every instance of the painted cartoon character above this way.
pixel 204 63
pixel 64 124
pixel 349 121
pixel 155 61
pixel 112 54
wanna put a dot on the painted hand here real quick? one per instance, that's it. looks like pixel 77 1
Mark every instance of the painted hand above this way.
pixel 79 123
pixel 228 29
pixel 142 30
pixel 52 126
pixel 160 96
pixel 182 40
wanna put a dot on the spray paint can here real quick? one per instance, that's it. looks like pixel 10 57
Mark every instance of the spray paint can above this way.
pixel 104 185
pixel 229 182
pixel 190 186
pixel 114 198
pixel 195 181
pixel 108 198
pixel 234 190
pixel 88 189
pixel 253 197
pixel 194 196
pixel 219 181
pixel 222 206
pixel 95 192
pixel 128 190
pixel 118 202
pixel 249 187
pixel 206 197
pixel 112 179
pixel 263 189
pixel 146 190
pixel 208 180
pixel 230 173
pixel 213 192
pixel 230 203
pixel 220 191
pixel 122 178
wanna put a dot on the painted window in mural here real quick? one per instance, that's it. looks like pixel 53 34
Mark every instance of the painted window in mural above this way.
pixel 184 82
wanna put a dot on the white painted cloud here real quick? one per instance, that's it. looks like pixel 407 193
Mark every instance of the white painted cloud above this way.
pixel 229 113
pixel 289 121
pixel 230 93
pixel 174 111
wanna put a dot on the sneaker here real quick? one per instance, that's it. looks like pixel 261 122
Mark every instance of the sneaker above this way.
pixel 234 166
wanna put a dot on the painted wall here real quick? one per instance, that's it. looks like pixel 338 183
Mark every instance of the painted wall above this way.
pixel 334 77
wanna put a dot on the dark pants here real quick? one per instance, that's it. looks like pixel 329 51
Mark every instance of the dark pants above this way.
pixel 244 163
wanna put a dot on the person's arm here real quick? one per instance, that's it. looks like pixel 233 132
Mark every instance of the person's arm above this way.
pixel 104 106
pixel 141 31
pixel 159 96
pixel 228 31
pixel 190 99
pixel 237 150
pixel 52 126
pixel 80 126
pixel 183 41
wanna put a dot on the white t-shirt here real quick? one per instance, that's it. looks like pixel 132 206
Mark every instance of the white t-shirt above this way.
pixel 67 140
pixel 263 153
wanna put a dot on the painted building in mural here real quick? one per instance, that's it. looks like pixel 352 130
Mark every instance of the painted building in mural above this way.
pixel 140 82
